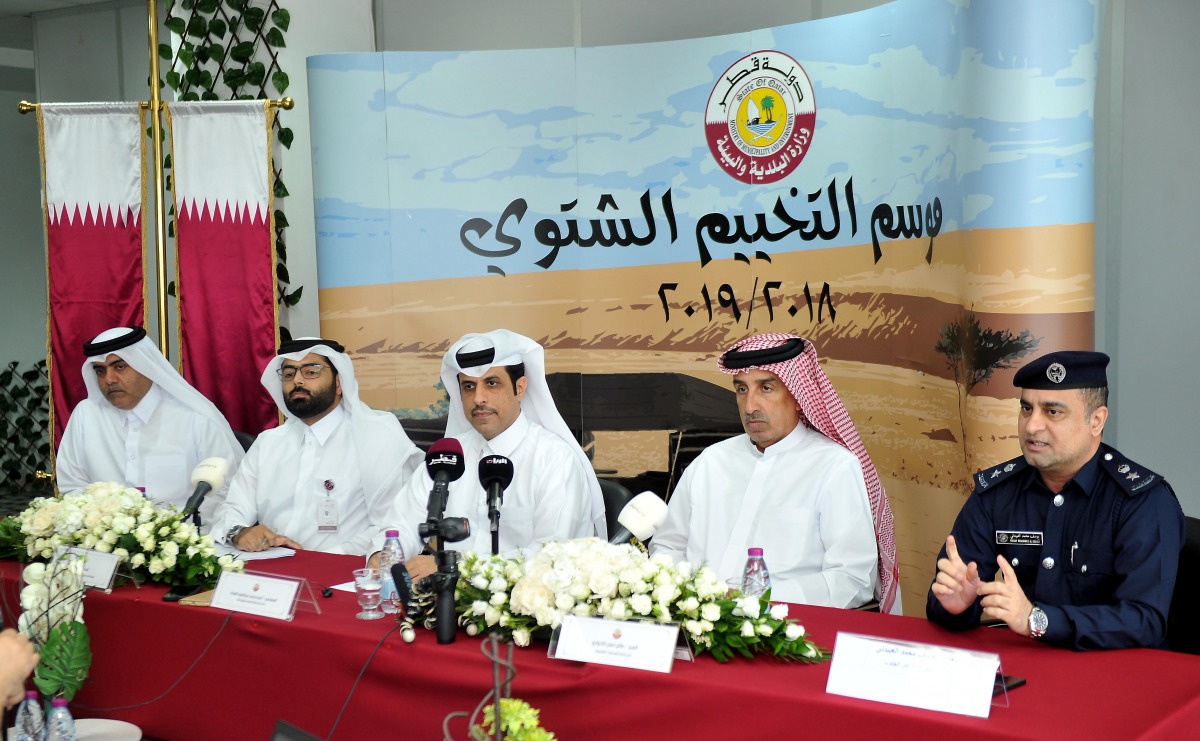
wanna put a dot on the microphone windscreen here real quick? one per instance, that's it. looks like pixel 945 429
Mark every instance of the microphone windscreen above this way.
pixel 445 456
pixel 211 471
pixel 644 515
pixel 495 469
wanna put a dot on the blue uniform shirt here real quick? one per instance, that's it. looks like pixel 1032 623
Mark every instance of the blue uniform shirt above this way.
pixel 1099 560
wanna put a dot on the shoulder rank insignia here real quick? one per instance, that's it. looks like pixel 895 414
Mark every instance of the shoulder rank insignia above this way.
pixel 1128 475
pixel 994 475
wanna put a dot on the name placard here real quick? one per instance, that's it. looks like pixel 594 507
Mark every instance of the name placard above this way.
pixel 257 594
pixel 917 675
pixel 98 568
pixel 633 645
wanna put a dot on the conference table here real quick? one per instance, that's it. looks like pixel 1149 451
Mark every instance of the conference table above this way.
pixel 182 672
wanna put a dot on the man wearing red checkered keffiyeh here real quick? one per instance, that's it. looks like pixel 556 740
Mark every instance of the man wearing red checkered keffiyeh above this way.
pixel 799 484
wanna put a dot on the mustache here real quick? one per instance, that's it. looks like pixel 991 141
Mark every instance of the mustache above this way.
pixel 754 417
pixel 482 408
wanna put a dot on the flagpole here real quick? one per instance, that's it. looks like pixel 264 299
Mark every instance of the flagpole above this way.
pixel 160 213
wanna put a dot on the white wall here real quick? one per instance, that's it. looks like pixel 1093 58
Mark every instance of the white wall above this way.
pixel 1147 196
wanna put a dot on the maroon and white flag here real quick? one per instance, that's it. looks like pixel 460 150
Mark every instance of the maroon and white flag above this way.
pixel 224 235
pixel 92 161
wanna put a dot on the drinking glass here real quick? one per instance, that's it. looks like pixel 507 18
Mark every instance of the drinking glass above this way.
pixel 367 584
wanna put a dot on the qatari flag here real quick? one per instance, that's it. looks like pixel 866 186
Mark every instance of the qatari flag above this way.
pixel 92 160
pixel 228 322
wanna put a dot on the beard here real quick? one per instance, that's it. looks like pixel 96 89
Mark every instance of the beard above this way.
pixel 311 403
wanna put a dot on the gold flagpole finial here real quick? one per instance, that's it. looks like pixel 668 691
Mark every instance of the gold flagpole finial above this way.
pixel 26 107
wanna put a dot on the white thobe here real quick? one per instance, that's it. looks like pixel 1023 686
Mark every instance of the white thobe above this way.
pixel 294 472
pixel 153 446
pixel 547 500
pixel 802 500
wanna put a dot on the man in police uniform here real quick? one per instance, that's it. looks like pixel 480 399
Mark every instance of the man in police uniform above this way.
pixel 1072 543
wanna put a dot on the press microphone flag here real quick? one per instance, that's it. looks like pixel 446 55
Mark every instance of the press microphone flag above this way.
pixel 640 518
pixel 495 473
pixel 444 462
pixel 208 475
pixel 495 470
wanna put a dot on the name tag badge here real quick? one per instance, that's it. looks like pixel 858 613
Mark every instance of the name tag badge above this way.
pixel 1018 537
pixel 327 516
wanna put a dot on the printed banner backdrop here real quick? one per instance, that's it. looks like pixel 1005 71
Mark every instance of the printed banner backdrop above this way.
pixel 910 187
pixel 228 320
pixel 92 161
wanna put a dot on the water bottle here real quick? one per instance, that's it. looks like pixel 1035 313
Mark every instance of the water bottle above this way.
pixel 391 555
pixel 756 580
pixel 60 726
pixel 31 722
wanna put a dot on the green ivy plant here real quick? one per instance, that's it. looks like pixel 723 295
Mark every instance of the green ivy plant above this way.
pixel 229 50
pixel 24 419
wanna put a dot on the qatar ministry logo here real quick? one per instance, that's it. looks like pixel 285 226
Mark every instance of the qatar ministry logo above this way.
pixel 760 117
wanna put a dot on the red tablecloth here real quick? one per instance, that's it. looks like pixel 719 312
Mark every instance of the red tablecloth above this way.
pixel 198 673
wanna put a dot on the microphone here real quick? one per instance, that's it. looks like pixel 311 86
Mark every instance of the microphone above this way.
pixel 209 474
pixel 495 473
pixel 640 518
pixel 444 462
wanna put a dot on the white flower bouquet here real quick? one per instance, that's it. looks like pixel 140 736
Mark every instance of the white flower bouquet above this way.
pixel 52 617
pixel 117 519
pixel 592 578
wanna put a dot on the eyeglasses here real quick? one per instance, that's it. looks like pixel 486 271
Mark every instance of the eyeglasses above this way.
pixel 308 370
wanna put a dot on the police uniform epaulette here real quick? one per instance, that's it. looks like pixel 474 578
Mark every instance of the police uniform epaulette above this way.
pixel 989 477
pixel 1130 476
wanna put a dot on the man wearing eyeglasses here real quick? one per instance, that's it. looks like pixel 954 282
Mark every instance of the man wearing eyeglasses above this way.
pixel 323 479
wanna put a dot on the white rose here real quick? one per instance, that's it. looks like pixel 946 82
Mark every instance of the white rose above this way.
pixel 137 560
pixel 666 592
pixel 564 602
pixel 104 546
pixel 479 607
pixel 170 548
pixel 521 637
pixel 793 631
pixel 529 594
pixel 547 615
pixel 641 604
pixel 751 607
pixel 747 628
pixel 603 583
pixel 711 611
pixel 156 565
pixel 692 626
pixel 810 651
pixel 618 611
pixel 689 605
pixel 779 611
pixel 479 581
pixel 41 523
pixel 498 598
pixel 765 630
pixel 497 584
pixel 491 616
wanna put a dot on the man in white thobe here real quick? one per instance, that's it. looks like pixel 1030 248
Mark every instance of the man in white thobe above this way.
pixel 325 478
pixel 142 424
pixel 500 404
pixel 798 485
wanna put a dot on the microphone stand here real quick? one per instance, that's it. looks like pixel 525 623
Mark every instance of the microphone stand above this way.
pixel 494 517
pixel 445 582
